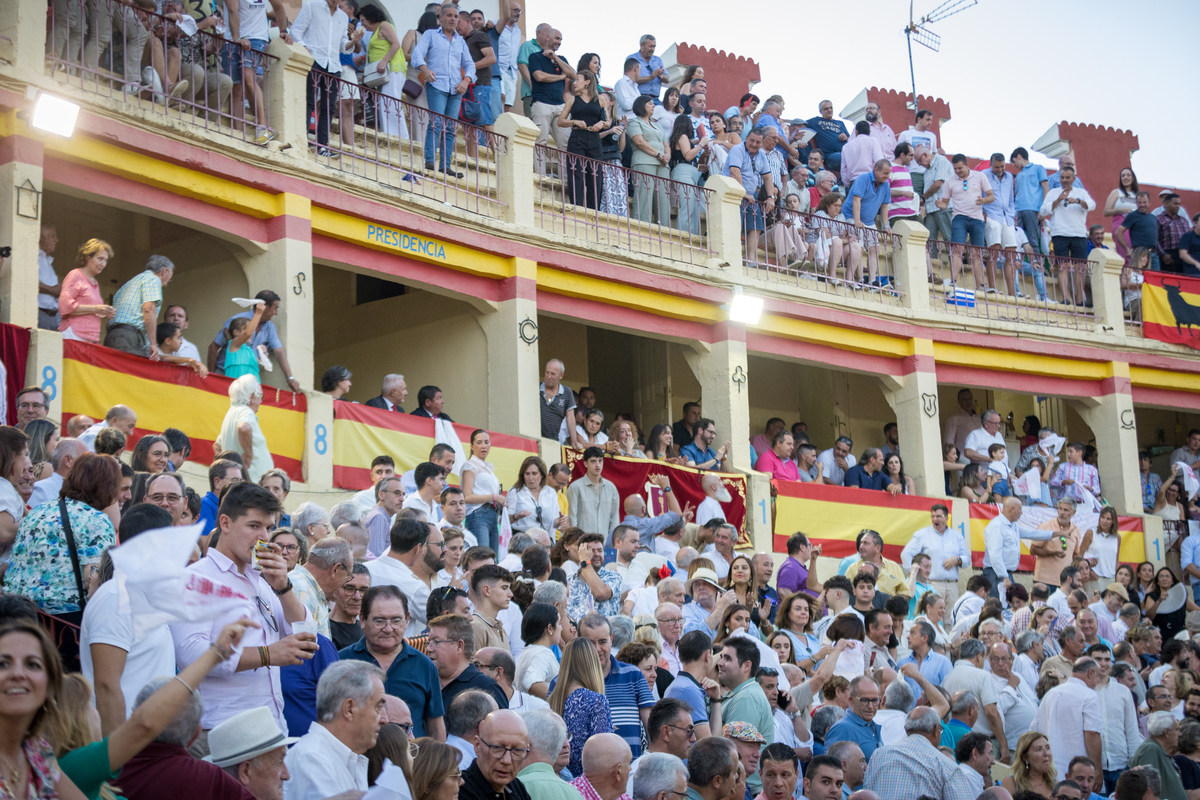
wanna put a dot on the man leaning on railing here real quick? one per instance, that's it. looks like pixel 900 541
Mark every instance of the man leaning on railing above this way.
pixel 322 28
pixel 439 55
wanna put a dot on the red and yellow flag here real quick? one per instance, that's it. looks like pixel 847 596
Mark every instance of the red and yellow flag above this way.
pixel 1171 308
pixel 1132 549
pixel 162 395
pixel 361 432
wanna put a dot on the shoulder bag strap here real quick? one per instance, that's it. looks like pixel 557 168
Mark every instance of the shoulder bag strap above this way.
pixel 66 523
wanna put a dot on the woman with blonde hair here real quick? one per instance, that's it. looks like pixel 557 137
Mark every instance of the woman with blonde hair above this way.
pixel 435 772
pixel 623 439
pixel 578 698
pixel 80 304
pixel 1178 682
pixel 1033 766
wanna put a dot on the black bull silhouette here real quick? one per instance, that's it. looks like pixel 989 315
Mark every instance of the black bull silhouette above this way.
pixel 1186 314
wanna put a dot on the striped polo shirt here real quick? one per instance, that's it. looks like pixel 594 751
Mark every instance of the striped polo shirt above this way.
pixel 555 411
pixel 626 690
pixel 901 206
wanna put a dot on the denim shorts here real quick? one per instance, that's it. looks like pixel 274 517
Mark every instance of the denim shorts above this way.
pixel 232 60
pixel 483 95
pixel 752 216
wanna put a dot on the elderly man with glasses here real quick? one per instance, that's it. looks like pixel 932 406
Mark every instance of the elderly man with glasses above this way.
pixel 500 750
pixel 328 566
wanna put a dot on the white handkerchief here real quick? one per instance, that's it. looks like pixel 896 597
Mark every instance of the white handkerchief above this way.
pixel 246 302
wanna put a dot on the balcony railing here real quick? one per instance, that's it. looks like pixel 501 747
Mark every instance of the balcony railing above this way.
pixel 99 45
pixel 1132 279
pixel 1010 285
pixel 606 203
pixel 820 253
pixel 407 147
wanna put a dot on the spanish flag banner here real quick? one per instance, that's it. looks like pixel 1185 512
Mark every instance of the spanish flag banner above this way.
pixel 832 516
pixel 96 378
pixel 630 475
pixel 1132 550
pixel 361 432
pixel 1171 308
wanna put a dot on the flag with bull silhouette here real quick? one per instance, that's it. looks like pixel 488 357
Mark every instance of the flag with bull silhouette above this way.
pixel 1171 308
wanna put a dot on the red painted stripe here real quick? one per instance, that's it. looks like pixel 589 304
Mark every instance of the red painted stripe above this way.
pixel 126 364
pixel 517 288
pixel 1166 398
pixel 286 226
pixel 852 496
pixel 611 316
pixel 422 426
pixel 824 355
pixel 351 477
pixel 1029 384
pixel 22 150
pixel 407 269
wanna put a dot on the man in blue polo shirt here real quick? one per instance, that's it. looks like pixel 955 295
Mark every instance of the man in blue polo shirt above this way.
pixel 625 688
pixel 934 666
pixel 831 135
pixel 868 473
pixel 869 197
pixel 652 73
pixel 1031 185
pixel 411 676
pixel 699 452
pixel 265 334
pixel 858 725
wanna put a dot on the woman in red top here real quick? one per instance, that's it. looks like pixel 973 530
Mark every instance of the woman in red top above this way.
pixel 79 302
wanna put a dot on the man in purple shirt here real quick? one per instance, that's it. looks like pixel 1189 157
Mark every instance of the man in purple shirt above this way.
pixel 793 574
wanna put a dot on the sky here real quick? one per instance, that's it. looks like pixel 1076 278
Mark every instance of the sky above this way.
pixel 1008 68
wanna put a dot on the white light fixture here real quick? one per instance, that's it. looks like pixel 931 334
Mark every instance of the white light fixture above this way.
pixel 54 115
pixel 744 308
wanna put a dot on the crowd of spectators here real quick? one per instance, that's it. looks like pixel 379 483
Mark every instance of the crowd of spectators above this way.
pixel 603 650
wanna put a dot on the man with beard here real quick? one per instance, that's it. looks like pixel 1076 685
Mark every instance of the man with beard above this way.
pixel 418 551
pixel 715 494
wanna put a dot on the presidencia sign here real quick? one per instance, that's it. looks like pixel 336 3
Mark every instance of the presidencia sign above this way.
pixel 370 233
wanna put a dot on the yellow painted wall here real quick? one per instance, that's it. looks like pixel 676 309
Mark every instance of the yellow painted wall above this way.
pixel 428 338
pixel 568 342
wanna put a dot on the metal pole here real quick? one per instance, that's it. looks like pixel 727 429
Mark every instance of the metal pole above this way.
pixel 911 72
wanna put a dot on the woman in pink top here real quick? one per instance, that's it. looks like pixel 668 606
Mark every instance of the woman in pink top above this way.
pixel 80 303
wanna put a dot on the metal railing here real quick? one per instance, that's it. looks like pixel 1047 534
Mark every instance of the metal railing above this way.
pixel 100 46
pixel 405 146
pixel 1132 279
pixel 818 252
pixel 606 203
pixel 1010 285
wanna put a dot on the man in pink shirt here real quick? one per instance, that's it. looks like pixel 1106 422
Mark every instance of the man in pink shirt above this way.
pixel 969 191
pixel 860 154
pixel 762 442
pixel 880 131
pixel 778 460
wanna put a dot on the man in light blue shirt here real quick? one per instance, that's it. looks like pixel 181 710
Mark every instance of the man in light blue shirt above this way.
pixel 1030 187
pixel 1189 559
pixel 653 72
pixel 869 197
pixel 1063 163
pixel 999 227
pixel 1002 545
pixel 947 549
pixel 440 54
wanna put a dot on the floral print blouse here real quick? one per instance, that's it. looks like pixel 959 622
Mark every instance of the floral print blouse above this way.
pixel 41 562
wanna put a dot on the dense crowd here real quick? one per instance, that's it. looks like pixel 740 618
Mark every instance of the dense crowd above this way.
pixel 600 651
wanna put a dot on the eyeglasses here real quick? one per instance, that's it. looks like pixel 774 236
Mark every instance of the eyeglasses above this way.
pixel 404 726
pixel 167 498
pixel 483 666
pixel 498 752
pixel 432 642
pixel 690 730
pixel 964 184
pixel 289 548
pixel 767 672
pixel 441 544
pixel 267 616
pixel 353 590
pixel 389 622
pixel 868 701
pixel 671 621
pixel 30 406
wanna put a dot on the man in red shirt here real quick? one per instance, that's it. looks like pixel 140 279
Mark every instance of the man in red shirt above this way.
pixel 778 460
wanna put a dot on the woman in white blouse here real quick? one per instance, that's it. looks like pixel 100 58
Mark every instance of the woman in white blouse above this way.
pixel 591 435
pixel 531 503
pixel 541 629
pixel 481 490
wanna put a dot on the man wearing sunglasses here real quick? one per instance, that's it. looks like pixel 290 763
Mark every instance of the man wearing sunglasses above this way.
pixel 500 750
pixel 967 193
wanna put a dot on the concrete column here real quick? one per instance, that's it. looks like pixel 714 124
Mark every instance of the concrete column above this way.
pixel 514 169
pixel 1152 533
pixel 20 223
pixel 23 35
pixel 758 512
pixel 513 369
pixel 724 390
pixel 318 442
pixel 286 269
pixel 287 80
pixel 44 368
pixel 725 221
pixel 914 399
pixel 1107 298
pixel 912 269
pixel 1111 418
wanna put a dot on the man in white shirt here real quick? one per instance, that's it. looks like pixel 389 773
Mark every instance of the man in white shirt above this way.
pixel 48 284
pixel 322 28
pixel 120 417
pixel 177 316
pixel 983 437
pixel 1029 646
pixel 715 494
pixel 839 594
pixel 1017 701
pixel 975 758
pixel 1121 737
pixel 506 59
pixel 1002 545
pixel 968 675
pixel 947 549
pixel 1068 582
pixel 418 551
pixel 66 452
pixel 329 759
pixel 248 24
pixel 1071 717
pixel 499 665
pixel 836 460
pixel 430 480
pixel 246 516
pixel 1067 210
pixel 721 550
pixel 626 91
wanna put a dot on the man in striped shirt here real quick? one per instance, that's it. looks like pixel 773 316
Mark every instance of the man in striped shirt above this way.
pixel 556 400
pixel 1075 479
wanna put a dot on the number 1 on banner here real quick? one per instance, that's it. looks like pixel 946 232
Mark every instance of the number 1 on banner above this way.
pixel 763 505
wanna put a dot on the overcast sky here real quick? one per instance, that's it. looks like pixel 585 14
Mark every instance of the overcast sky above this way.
pixel 1008 68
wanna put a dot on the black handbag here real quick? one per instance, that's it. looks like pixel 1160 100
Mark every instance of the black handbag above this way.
pixel 64 628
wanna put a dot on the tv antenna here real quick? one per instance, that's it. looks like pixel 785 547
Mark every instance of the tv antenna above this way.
pixel 919 31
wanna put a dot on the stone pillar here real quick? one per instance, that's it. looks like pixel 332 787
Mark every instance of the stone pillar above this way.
pixel 758 512
pixel 514 169
pixel 20 223
pixel 914 399
pixel 1111 418
pixel 318 442
pixel 286 269
pixel 513 369
pixel 23 35
pixel 912 269
pixel 44 368
pixel 1152 534
pixel 725 222
pixel 724 390
pixel 287 81
pixel 1107 298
